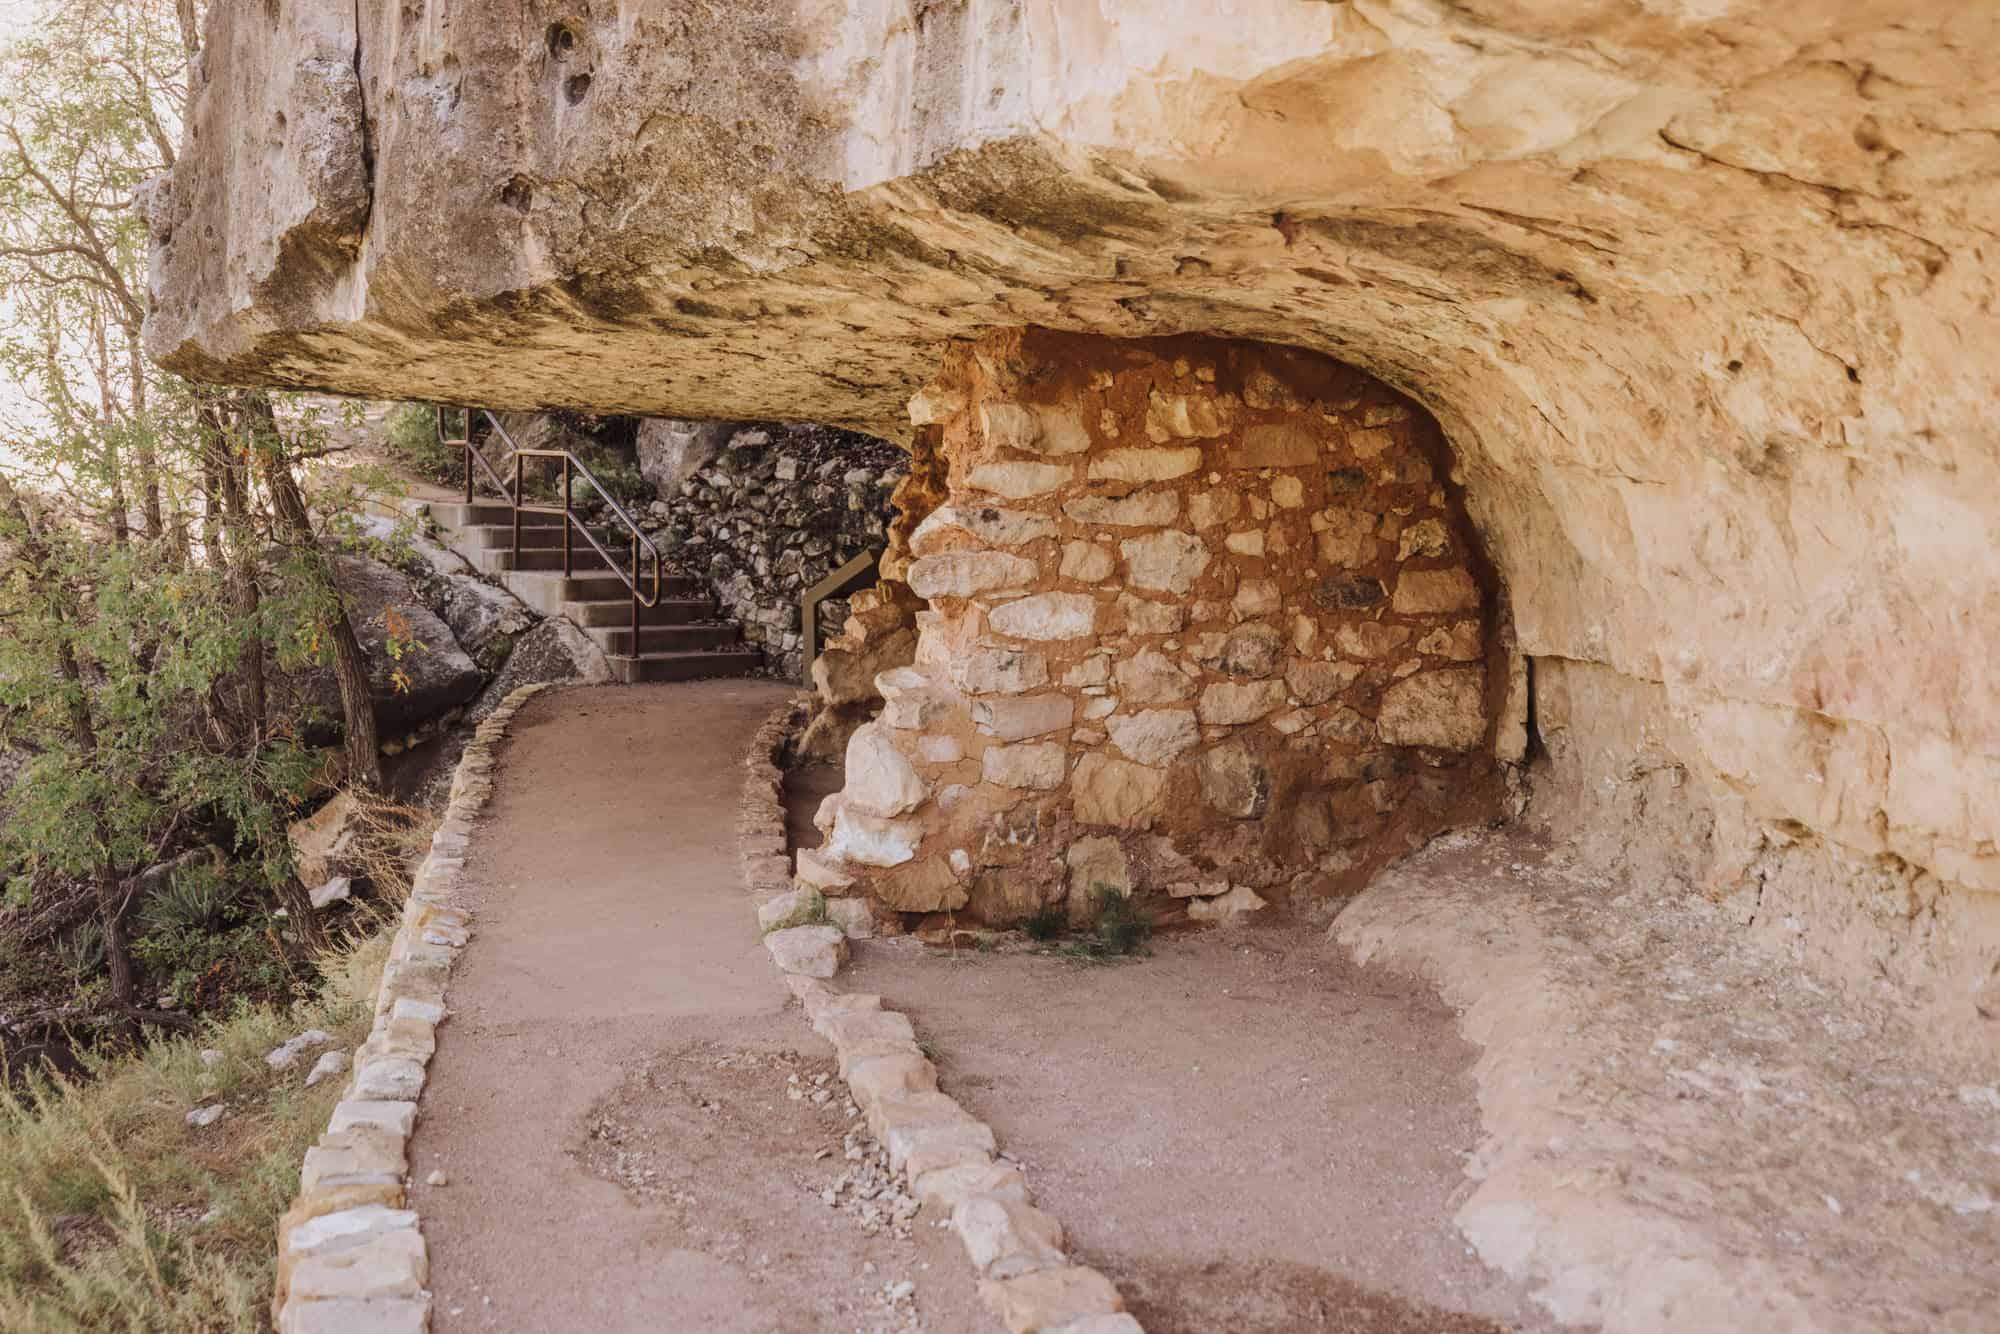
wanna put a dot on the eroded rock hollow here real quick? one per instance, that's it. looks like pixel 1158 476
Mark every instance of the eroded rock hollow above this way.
pixel 1206 623
pixel 1701 295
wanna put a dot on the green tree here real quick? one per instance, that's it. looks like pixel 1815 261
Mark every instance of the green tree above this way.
pixel 160 557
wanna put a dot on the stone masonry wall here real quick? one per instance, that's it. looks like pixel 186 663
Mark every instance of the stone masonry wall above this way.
pixel 1206 623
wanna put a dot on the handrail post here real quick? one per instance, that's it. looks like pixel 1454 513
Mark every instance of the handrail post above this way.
pixel 565 515
pixel 635 595
pixel 517 511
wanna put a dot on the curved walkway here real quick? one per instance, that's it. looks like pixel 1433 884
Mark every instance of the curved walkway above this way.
pixel 609 1102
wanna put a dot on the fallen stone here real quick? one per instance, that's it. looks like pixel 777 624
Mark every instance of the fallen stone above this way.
pixel 286 1055
pixel 337 889
pixel 328 1065
pixel 1227 908
pixel 203 1117
pixel 437 1178
pixel 809 951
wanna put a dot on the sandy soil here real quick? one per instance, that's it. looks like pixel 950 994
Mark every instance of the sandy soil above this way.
pixel 1244 1130
pixel 611 1097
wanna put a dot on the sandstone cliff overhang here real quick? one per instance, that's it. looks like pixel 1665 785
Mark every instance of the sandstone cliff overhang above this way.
pixel 1702 293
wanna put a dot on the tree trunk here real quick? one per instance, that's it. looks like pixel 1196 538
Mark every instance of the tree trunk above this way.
pixel 350 666
pixel 114 908
pixel 149 463
pixel 245 595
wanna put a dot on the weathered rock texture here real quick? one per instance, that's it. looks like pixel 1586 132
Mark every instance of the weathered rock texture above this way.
pixel 1203 617
pixel 1701 293
pixel 772 510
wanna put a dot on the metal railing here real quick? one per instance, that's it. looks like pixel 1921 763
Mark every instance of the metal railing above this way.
pixel 571 521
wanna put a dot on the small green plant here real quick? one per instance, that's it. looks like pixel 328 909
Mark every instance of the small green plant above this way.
pixel 1047 925
pixel 1122 926
pixel 194 898
pixel 811 912
pixel 411 431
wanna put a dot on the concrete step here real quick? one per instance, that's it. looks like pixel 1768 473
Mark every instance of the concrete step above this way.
pixel 538 560
pixel 608 587
pixel 611 614
pixel 616 641
pixel 686 666
pixel 458 515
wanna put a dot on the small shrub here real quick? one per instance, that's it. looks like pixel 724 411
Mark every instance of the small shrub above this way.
pixel 411 434
pixel 116 1215
pixel 810 913
pixel 1047 925
pixel 1122 926
pixel 194 899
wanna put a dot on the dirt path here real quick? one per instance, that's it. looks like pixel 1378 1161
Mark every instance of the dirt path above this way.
pixel 624 1110
pixel 1245 1130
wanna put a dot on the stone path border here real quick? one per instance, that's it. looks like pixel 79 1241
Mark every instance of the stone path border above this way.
pixel 945 1153
pixel 351 1258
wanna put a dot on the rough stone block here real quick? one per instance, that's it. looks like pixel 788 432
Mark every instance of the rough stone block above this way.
pixel 1427 592
pixel 1144 509
pixel 810 951
pixel 1109 791
pixel 1233 703
pixel 1154 736
pixel 964 574
pixel 1017 481
pixel 946 1186
pixel 1046 616
pixel 386 1264
pixel 1023 716
pixel 814 871
pixel 393 1118
pixel 391 1315
pixel 880 780
pixel 1444 708
pixel 1037 765
pixel 1005 1238
pixel 1048 1298
pixel 1167 562
pixel 1145 465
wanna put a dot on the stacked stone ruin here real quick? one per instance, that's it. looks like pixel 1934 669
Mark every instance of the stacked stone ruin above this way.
pixel 1206 623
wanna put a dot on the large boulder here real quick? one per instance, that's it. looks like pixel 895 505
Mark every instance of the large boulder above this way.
pixel 555 652
pixel 671 450
pixel 416 669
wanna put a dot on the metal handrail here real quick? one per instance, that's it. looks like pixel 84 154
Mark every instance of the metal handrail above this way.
pixel 512 495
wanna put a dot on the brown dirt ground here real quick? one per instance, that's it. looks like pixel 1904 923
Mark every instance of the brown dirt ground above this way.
pixel 1245 1130
pixel 615 1017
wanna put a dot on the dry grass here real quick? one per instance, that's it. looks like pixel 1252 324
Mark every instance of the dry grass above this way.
pixel 117 1215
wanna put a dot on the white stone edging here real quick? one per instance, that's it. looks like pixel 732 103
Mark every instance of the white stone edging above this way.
pixel 945 1154
pixel 351 1256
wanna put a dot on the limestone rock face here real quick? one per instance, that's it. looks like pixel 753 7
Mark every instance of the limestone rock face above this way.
pixel 1696 291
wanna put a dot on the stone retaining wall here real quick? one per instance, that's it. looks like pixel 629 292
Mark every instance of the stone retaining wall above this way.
pixel 947 1156
pixel 350 1254
pixel 1206 621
